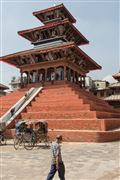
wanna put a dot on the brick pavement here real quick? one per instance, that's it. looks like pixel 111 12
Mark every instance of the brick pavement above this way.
pixel 83 161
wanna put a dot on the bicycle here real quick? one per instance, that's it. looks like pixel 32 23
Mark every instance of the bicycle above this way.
pixel 3 140
pixel 24 139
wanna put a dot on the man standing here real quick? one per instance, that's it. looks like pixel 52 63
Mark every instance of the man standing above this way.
pixel 57 163
pixel 52 77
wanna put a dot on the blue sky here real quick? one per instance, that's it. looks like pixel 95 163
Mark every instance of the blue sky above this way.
pixel 97 20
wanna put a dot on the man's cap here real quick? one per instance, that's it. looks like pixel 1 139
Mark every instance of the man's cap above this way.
pixel 59 137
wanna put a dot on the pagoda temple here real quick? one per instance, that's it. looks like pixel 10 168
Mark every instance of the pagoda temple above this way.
pixel 58 65
pixel 55 50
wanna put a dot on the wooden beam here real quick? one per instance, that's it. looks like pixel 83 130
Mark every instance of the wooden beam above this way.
pixel 70 35
pixel 67 30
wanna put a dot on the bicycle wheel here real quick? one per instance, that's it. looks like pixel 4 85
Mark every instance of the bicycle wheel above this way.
pixel 16 143
pixel 47 141
pixel 29 141
pixel 3 140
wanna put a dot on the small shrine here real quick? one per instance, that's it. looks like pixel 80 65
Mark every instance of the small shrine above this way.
pixel 114 99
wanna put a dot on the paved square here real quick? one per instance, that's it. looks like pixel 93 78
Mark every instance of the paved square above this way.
pixel 83 161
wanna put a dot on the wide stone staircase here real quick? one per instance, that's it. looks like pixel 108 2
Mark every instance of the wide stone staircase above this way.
pixel 6 102
pixel 75 113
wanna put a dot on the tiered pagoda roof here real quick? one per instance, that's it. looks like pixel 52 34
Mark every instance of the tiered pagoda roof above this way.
pixel 64 29
pixel 56 40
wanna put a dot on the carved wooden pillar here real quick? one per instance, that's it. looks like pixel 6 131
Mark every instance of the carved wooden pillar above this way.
pixel 28 77
pixel 77 78
pixel 65 73
pixel 37 71
pixel 45 75
pixel 21 78
pixel 84 81
pixel 73 76
pixel 55 72
pixel 80 81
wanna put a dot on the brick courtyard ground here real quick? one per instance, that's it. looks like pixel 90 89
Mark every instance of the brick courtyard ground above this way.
pixel 83 161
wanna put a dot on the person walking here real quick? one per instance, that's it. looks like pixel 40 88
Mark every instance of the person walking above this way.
pixel 52 77
pixel 57 163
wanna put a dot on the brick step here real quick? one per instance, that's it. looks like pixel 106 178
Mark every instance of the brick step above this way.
pixel 71 115
pixel 9 103
pixel 102 108
pixel 77 100
pixel 59 95
pixel 13 94
pixel 78 136
pixel 1 114
pixel 64 98
pixel 11 98
pixel 88 96
pixel 57 91
pixel 107 115
pixel 74 124
pixel 54 88
pixel 64 107
pixel 93 99
pixel 86 136
pixel 6 106
pixel 47 107
pixel 3 111
pixel 95 103
pixel 72 94
pixel 58 115
pixel 93 124
pixel 72 98
pixel 56 103
pixel 59 86
pixel 111 123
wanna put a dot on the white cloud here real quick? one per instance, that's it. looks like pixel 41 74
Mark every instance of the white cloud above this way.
pixel 109 78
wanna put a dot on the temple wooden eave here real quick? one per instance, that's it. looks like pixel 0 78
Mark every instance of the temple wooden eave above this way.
pixel 25 52
pixel 27 34
pixel 73 48
pixel 61 6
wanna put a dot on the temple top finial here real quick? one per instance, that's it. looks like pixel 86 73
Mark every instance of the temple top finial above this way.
pixel 55 3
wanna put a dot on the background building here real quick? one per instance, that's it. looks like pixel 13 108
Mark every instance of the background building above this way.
pixel 15 83
pixel 2 89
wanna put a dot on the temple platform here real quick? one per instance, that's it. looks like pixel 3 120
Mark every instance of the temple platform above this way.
pixel 73 112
